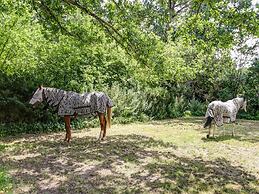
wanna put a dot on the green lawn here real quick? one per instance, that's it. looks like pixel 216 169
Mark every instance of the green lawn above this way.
pixel 170 156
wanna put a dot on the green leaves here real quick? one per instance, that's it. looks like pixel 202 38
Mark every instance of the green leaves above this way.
pixel 138 46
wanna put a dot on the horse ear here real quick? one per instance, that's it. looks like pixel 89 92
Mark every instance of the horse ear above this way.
pixel 40 87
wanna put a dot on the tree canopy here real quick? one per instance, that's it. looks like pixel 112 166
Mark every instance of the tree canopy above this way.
pixel 164 57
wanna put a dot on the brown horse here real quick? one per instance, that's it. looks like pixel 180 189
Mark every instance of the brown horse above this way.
pixel 71 104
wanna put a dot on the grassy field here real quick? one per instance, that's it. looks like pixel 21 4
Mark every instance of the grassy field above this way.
pixel 170 156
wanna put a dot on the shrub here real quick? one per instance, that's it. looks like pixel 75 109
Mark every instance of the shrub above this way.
pixel 196 107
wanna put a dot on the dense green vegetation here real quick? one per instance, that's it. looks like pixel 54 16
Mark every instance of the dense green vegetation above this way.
pixel 156 59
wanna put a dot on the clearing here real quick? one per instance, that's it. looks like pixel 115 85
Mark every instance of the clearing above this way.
pixel 169 156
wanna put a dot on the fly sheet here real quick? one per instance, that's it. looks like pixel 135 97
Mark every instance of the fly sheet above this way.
pixel 225 111
pixel 70 103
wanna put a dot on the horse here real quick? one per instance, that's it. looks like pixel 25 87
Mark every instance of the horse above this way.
pixel 71 104
pixel 223 112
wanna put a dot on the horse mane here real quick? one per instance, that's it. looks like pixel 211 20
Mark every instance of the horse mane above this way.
pixel 53 96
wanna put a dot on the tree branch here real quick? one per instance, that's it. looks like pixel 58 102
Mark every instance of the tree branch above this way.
pixel 105 24
pixel 184 6
pixel 114 33
pixel 53 16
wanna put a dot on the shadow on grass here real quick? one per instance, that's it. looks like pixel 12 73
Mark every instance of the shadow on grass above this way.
pixel 242 133
pixel 245 130
pixel 222 138
pixel 123 163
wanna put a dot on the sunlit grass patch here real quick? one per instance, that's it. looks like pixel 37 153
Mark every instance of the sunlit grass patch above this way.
pixel 2 147
pixel 5 181
pixel 170 156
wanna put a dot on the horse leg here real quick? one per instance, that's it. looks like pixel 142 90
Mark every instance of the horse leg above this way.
pixel 66 136
pixel 65 119
pixel 103 125
pixel 68 128
pixel 213 130
pixel 208 135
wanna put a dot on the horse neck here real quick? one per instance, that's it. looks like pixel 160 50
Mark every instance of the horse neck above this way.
pixel 53 96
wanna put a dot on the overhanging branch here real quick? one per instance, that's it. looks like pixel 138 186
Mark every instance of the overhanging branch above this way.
pixel 109 27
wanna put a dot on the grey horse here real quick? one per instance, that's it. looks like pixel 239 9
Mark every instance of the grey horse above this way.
pixel 223 112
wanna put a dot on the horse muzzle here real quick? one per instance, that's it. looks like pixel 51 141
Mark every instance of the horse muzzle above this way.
pixel 35 105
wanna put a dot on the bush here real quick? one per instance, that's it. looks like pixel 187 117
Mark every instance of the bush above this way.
pixel 128 103
pixel 187 113
pixel 11 129
pixel 196 107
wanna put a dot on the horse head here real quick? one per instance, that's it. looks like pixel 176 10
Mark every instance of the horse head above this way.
pixel 37 97
pixel 242 102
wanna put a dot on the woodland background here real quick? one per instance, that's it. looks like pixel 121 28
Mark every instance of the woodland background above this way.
pixel 156 59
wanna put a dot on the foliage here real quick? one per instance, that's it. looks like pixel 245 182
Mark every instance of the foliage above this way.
pixel 196 108
pixel 155 60
pixel 251 91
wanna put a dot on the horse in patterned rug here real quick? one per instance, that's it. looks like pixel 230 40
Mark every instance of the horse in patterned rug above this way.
pixel 70 104
pixel 223 112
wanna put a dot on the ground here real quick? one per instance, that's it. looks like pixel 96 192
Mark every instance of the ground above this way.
pixel 170 156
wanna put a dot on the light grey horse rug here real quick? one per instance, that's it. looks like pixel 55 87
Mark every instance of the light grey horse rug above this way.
pixel 72 103
pixel 225 111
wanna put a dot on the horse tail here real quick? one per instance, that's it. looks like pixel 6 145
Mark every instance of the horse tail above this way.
pixel 209 114
pixel 109 115
pixel 208 122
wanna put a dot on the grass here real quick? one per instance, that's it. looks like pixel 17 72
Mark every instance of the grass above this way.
pixel 169 156
pixel 5 181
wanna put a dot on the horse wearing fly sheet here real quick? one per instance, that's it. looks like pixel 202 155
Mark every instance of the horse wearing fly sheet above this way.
pixel 223 112
pixel 72 104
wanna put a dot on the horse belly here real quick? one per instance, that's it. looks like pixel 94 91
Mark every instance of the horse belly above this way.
pixel 84 105
pixel 226 111
pixel 86 111
pixel 226 119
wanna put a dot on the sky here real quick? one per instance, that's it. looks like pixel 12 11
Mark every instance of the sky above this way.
pixel 246 60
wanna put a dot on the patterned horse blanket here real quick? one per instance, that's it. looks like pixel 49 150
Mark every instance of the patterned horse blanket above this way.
pixel 70 103
pixel 225 111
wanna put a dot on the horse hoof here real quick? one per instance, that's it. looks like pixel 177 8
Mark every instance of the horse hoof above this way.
pixel 208 136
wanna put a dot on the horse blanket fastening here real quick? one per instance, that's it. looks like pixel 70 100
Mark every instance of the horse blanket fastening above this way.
pixel 225 111
pixel 70 103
